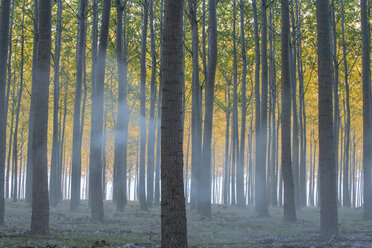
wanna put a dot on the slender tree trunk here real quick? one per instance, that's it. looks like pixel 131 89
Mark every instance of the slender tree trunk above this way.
pixel 227 144
pixel 31 113
pixel 240 171
pixel 157 170
pixel 121 136
pixel 142 189
pixel 345 186
pixel 205 202
pixel 367 127
pixel 289 201
pixel 261 196
pixel 196 131
pixel 336 115
pixel 4 30
pixel 40 96
pixel 173 210
pixel 152 126
pixel 95 182
pixel 53 181
pixel 327 169
pixel 76 141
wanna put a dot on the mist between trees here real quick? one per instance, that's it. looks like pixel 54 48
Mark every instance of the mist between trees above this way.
pixel 186 105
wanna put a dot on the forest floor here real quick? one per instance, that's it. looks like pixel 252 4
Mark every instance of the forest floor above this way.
pixel 229 227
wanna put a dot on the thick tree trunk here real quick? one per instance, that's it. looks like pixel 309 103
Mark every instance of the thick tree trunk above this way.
pixel 367 120
pixel 76 141
pixel 95 182
pixel 121 135
pixel 327 166
pixel 196 131
pixel 31 113
pixel 4 39
pixel 173 210
pixel 261 196
pixel 205 201
pixel 289 201
pixel 40 96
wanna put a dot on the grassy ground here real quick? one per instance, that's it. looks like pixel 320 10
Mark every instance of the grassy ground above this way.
pixel 229 227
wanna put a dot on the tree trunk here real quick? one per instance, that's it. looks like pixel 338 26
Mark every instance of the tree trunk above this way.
pixel 4 30
pixel 76 141
pixel 173 210
pixel 205 202
pixel 95 182
pixel 196 132
pixel 345 186
pixel 367 123
pixel 327 169
pixel 40 96
pixel 289 201
pixel 121 135
pixel 261 196
pixel 152 127
pixel 53 181
pixel 31 113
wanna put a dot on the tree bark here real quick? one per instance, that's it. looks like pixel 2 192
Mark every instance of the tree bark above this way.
pixel 327 166
pixel 289 201
pixel 40 95
pixel 95 182
pixel 367 121
pixel 173 210
pixel 54 182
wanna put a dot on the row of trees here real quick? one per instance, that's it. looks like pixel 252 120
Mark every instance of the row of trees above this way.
pixel 257 176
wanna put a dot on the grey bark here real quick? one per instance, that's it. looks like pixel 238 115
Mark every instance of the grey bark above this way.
pixel 205 202
pixel 142 189
pixel 196 132
pixel 173 210
pixel 121 135
pixel 54 175
pixel 367 123
pixel 4 39
pixel 152 126
pixel 40 96
pixel 95 182
pixel 76 141
pixel 327 166
pixel 345 186
pixel 261 198
pixel 289 199
pixel 31 113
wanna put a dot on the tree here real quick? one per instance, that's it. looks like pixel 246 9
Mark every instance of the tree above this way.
pixel 142 189
pixel 95 179
pixel 152 126
pixel 327 166
pixel 345 187
pixel 4 39
pixel 121 135
pixel 40 97
pixel 260 194
pixel 31 113
pixel 55 178
pixel 173 209
pixel 240 168
pixel 367 121
pixel 76 139
pixel 289 201
pixel 205 201
pixel 196 122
